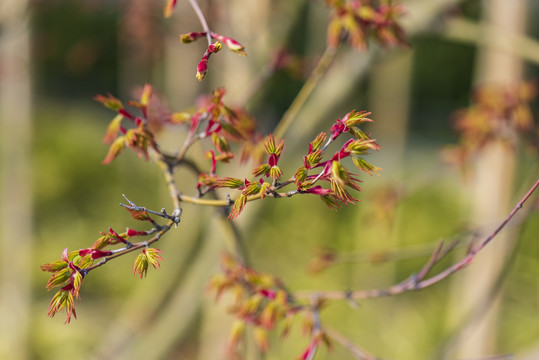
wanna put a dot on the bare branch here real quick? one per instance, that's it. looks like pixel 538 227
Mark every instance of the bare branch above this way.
pixel 415 281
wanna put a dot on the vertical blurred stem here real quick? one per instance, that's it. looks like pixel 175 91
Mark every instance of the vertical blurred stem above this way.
pixel 202 19
pixel 305 92
pixel 15 179
pixel 492 185
pixel 389 101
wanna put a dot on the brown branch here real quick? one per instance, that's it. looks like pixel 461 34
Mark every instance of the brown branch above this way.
pixel 133 247
pixel 168 173
pixel 415 282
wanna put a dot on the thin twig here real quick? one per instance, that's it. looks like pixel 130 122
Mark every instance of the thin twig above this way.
pixel 306 90
pixel 414 282
pixel 353 348
pixel 175 217
pixel 191 138
pixel 168 173
pixel 228 202
pixel 133 247
pixel 202 19
pixel 469 257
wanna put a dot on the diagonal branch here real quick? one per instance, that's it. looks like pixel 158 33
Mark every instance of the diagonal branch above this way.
pixel 416 282
pixel 353 348
pixel 309 86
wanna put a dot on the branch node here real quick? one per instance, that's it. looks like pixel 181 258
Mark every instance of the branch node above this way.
pixel 413 281
pixel 351 301
pixel 291 193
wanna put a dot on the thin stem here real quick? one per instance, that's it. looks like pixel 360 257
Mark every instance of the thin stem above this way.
pixel 416 282
pixel 191 138
pixel 306 90
pixel 134 247
pixel 355 350
pixel 202 19
pixel 132 206
pixel 469 257
pixel 229 202
pixel 168 174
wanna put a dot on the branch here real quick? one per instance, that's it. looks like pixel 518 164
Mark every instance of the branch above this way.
pixel 415 282
pixel 168 174
pixel 320 69
pixel 354 349
pixel 228 201
pixel 132 247
pixel 202 19
pixel 175 217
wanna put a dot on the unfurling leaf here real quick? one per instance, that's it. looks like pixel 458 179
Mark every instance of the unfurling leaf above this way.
pixel 140 267
pixel 139 214
pixel 77 282
pixel 169 7
pixel 144 259
pixel 146 95
pixel 261 338
pixel 115 149
pixel 109 101
pixel 263 169
pixel 63 299
pixel 54 266
pixel 228 182
pixel 275 172
pixel 112 129
pixel 239 204
pixel 236 333
pixel 365 166
pixel 60 278
pixel 180 117
pixel 153 257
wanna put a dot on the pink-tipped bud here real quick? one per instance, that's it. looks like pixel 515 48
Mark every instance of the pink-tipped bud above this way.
pixel 189 37
pixel 202 69
pixel 215 47
pixel 131 232
pixel 169 7
pixel 230 43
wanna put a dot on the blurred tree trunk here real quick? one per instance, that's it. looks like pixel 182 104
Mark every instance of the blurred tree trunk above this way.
pixel 389 102
pixel 476 305
pixel 248 23
pixel 15 179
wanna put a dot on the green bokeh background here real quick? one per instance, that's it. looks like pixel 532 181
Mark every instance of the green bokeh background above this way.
pixel 79 50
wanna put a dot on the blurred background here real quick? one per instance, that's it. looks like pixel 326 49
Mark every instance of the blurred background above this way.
pixel 56 55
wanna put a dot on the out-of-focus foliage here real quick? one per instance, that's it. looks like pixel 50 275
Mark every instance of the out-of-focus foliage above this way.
pixel 76 56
